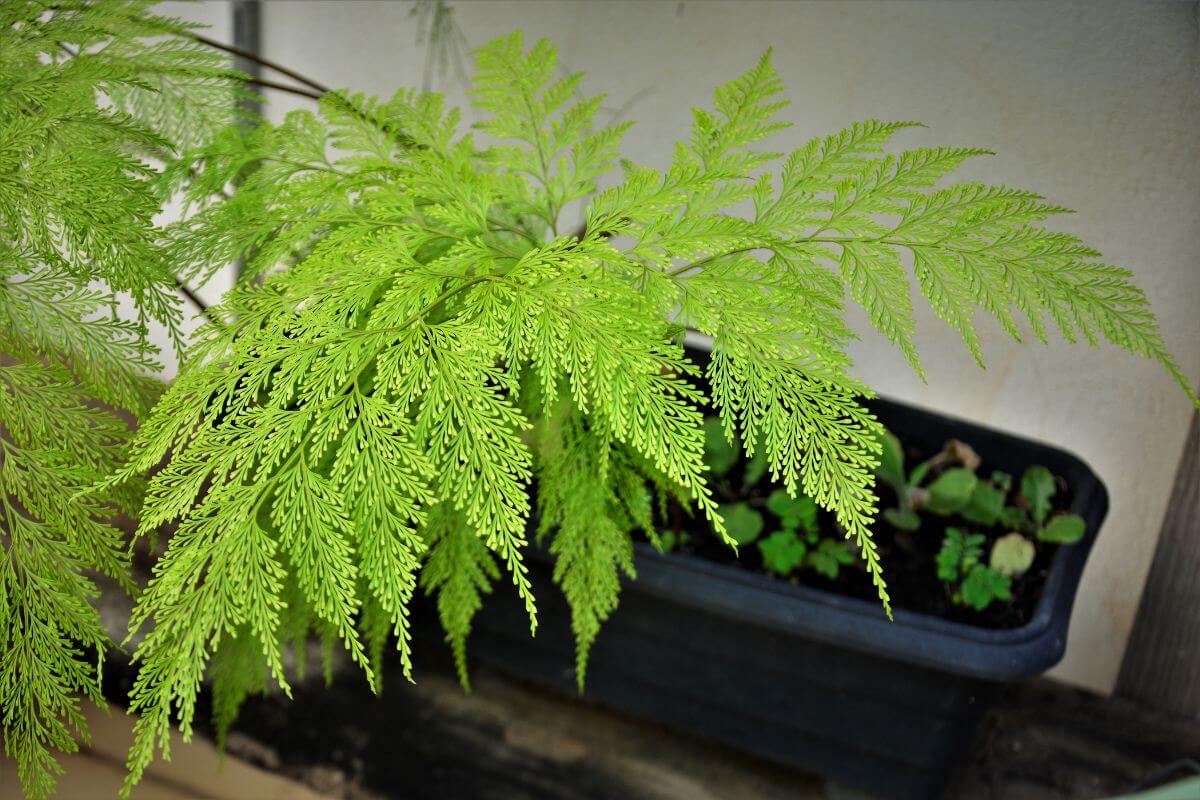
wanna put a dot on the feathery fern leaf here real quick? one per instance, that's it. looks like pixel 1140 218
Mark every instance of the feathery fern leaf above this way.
pixel 85 99
pixel 415 346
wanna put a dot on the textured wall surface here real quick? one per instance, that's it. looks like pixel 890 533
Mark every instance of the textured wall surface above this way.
pixel 1097 106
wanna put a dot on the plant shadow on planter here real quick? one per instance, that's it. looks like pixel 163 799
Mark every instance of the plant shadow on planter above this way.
pixel 815 680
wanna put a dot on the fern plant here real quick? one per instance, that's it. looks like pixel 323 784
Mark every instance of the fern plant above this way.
pixel 90 95
pixel 426 344
pixel 420 359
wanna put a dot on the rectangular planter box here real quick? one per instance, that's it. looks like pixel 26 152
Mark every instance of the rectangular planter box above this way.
pixel 805 677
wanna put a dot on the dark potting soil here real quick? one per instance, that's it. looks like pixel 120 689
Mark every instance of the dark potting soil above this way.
pixel 909 559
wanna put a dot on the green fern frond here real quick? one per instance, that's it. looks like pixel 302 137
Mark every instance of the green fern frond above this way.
pixel 460 569
pixel 53 444
pixel 84 101
pixel 415 349
pixel 579 498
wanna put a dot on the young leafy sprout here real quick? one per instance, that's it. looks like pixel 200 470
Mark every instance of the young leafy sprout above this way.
pixel 958 492
pixel 792 538
pixel 1012 554
pixel 959 564
pixel 416 341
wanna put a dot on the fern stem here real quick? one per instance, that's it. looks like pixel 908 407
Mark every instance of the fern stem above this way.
pixel 815 238
pixel 257 59
pixel 437 301
pixel 192 297
pixel 282 87
pixel 709 259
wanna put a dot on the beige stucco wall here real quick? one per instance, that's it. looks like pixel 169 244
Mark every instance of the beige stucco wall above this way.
pixel 1095 105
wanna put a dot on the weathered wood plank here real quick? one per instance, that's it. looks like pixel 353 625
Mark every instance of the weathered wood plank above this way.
pixel 1161 668
pixel 195 772
pixel 506 740
pixel 1046 741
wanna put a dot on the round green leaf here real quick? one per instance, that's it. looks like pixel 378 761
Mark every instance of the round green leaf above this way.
pixel 1012 555
pixel 904 519
pixel 742 522
pixel 951 492
pixel 985 506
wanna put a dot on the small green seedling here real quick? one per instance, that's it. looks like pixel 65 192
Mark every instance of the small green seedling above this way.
pixel 1063 529
pixel 1033 516
pixel 795 513
pixel 798 543
pixel 785 550
pixel 1037 488
pixel 956 490
pixel 959 552
pixel 951 492
pixel 830 556
pixel 986 504
pixel 890 472
pixel 974 583
pixel 795 543
pixel 782 552
pixel 959 491
pixel 982 586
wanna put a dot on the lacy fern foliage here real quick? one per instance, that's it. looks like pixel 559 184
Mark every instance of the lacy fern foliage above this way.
pixel 420 360
pixel 425 346
pixel 83 103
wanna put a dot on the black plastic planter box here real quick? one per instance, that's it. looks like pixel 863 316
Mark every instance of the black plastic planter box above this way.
pixel 812 679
